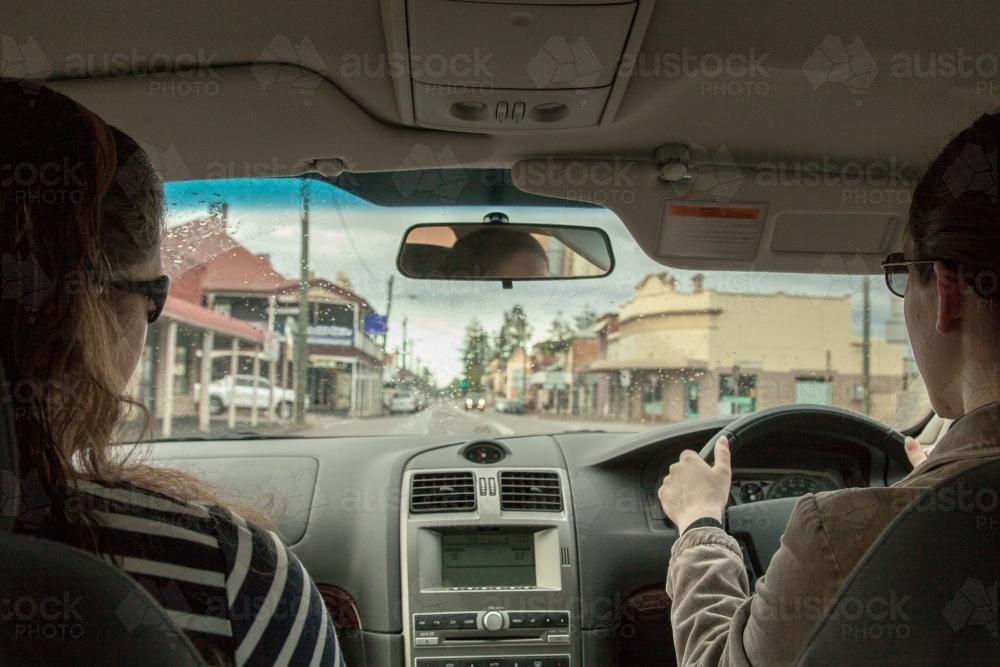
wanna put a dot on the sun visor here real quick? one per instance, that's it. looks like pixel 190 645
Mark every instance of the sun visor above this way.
pixel 832 231
pixel 737 218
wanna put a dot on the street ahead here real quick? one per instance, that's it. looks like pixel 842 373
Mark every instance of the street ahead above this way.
pixel 448 417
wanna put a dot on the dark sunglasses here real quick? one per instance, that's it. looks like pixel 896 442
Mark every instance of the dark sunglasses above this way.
pixel 155 290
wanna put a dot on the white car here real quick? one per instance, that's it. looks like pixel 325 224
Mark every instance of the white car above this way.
pixel 403 401
pixel 239 390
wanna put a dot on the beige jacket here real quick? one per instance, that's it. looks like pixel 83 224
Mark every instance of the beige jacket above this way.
pixel 716 621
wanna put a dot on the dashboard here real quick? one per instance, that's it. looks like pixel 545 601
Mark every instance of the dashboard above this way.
pixel 435 551
pixel 750 486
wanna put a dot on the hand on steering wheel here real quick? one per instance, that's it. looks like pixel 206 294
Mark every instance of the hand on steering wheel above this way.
pixel 914 452
pixel 758 526
pixel 693 489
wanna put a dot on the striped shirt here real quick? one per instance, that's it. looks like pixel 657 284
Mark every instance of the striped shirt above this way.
pixel 232 587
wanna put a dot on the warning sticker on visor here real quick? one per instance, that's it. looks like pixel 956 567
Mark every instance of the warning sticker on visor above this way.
pixel 710 230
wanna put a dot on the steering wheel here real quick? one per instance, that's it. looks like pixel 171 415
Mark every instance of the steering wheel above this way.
pixel 760 525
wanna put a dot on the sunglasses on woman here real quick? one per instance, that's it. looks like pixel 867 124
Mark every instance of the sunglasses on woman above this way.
pixel 155 290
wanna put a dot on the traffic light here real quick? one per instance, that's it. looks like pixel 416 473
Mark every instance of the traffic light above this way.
pixel 463 384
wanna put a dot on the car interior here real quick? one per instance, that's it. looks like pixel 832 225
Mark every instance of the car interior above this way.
pixel 750 139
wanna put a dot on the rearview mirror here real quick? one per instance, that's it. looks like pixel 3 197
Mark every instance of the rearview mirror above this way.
pixel 505 252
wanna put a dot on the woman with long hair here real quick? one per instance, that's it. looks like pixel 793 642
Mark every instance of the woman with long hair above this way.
pixel 81 217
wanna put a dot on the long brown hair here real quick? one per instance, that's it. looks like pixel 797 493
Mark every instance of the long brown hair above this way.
pixel 80 203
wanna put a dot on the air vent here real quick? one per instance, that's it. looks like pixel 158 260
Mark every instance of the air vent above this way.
pixel 443 492
pixel 530 492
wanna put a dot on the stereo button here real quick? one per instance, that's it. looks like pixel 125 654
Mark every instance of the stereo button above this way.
pixel 493 621
pixel 453 622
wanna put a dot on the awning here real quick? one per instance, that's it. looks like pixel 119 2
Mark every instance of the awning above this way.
pixel 199 317
pixel 669 362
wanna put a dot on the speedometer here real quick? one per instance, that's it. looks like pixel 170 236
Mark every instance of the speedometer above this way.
pixel 793 486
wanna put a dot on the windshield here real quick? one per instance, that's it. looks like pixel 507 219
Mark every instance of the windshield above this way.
pixel 641 347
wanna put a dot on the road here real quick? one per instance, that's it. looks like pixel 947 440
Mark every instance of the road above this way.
pixel 450 418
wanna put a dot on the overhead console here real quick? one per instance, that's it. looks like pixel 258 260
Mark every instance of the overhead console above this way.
pixel 493 65
pixel 488 562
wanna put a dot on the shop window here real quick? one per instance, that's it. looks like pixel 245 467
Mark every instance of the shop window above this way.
pixel 816 390
pixel 737 393
pixel 652 395
pixel 691 392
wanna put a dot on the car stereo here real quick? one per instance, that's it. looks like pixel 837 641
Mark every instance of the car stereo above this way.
pixel 488 583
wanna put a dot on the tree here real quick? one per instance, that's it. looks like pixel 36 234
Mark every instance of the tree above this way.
pixel 513 334
pixel 559 336
pixel 585 319
pixel 476 354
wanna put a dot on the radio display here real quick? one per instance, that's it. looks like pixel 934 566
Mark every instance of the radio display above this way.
pixel 488 559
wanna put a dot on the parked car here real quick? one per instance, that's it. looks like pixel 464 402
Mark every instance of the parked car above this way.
pixel 239 389
pixel 475 401
pixel 403 401
pixel 510 405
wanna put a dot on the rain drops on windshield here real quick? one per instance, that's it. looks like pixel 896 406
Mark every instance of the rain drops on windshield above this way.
pixel 288 317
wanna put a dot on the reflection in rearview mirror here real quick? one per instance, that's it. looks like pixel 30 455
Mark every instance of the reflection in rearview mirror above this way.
pixel 503 251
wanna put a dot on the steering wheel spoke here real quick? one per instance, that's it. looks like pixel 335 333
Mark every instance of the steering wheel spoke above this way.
pixel 759 526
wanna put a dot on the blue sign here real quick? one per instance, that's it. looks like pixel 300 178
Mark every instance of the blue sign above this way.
pixel 375 324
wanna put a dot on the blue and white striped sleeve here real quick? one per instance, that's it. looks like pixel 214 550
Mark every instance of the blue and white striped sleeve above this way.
pixel 276 612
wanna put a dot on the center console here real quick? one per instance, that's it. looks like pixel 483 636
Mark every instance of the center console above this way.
pixel 488 568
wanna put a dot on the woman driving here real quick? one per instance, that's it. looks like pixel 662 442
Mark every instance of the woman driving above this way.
pixel 81 215
pixel 947 277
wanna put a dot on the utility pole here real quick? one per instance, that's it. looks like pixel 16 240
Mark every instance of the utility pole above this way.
pixel 388 307
pixel 866 347
pixel 405 352
pixel 302 332
pixel 272 362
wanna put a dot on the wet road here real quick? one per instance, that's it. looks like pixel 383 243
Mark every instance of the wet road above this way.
pixel 450 418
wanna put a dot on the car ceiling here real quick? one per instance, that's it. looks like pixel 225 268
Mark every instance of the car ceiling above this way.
pixel 363 122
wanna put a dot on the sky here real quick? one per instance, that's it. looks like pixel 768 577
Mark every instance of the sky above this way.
pixel 351 236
